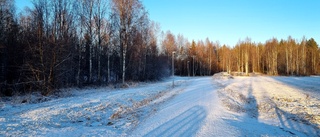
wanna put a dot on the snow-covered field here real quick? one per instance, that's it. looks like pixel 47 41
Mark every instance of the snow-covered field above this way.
pixel 271 106
pixel 197 106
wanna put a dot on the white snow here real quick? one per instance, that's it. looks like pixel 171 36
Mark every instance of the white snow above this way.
pixel 221 105
pixel 274 103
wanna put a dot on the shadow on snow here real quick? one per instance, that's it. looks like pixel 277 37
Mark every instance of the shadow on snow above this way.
pixel 290 124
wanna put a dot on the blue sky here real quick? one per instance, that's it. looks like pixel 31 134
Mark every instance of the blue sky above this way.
pixel 21 4
pixel 228 21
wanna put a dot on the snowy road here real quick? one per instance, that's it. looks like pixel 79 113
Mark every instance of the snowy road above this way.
pixel 201 110
pixel 194 112
pixel 198 106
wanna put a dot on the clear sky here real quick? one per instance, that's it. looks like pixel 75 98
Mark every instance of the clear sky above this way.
pixel 227 21
pixel 21 4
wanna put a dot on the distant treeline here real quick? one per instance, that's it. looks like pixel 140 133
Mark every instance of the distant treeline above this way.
pixel 274 57
pixel 68 43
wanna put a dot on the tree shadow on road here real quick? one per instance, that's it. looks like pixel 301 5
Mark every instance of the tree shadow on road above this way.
pixel 251 106
pixel 249 125
pixel 185 124
pixel 296 122
pixel 290 124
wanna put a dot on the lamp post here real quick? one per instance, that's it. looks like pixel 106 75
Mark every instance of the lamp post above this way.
pixel 188 69
pixel 193 64
pixel 173 62
pixel 173 68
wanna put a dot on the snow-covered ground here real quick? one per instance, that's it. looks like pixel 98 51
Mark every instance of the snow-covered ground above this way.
pixel 197 106
pixel 271 106
pixel 102 111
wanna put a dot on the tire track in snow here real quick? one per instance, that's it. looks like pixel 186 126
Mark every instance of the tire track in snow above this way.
pixel 195 111
pixel 187 122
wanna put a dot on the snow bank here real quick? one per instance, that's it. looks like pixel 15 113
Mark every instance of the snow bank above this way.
pixel 270 100
pixel 222 75
pixel 87 112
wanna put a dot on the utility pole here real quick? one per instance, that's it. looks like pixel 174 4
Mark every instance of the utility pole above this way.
pixel 188 69
pixel 173 62
pixel 193 65
pixel 173 52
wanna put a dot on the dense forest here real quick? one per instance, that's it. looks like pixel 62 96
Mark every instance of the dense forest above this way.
pixel 75 43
